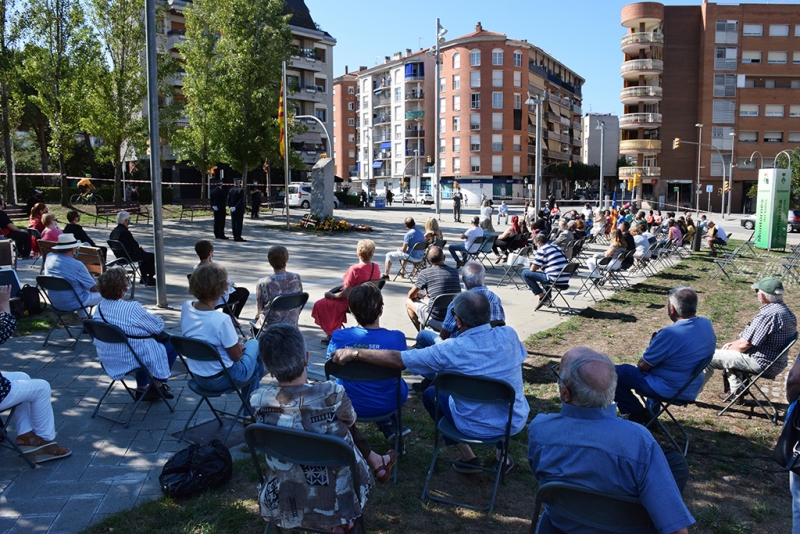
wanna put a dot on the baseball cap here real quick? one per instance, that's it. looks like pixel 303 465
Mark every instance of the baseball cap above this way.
pixel 769 285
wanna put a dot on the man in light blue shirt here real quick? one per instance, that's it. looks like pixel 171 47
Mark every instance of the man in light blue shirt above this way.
pixel 480 351
pixel 587 444
pixel 669 361
pixel 411 238
pixel 61 262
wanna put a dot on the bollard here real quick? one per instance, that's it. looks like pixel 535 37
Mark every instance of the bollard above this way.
pixel 698 240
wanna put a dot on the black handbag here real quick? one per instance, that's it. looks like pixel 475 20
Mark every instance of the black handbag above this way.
pixel 786 451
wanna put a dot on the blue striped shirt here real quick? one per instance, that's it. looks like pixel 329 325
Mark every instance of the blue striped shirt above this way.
pixel 76 274
pixel 551 261
pixel 498 314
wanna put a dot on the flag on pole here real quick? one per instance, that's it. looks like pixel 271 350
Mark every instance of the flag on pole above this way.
pixel 614 213
pixel 281 111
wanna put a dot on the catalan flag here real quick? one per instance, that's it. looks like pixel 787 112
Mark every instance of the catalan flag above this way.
pixel 614 212
pixel 281 111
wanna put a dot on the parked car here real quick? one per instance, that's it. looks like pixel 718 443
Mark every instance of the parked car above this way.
pixel 749 221
pixel 300 197
pixel 407 197
pixel 425 198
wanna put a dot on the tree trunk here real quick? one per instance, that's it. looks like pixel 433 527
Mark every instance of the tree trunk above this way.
pixel 43 156
pixel 8 145
pixel 62 169
pixel 89 148
pixel 118 179
pixel 204 178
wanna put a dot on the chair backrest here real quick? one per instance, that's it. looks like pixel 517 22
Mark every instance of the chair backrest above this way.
pixel 439 242
pixel 195 349
pixel 33 232
pixel 90 257
pixel 441 302
pixel 419 246
pixel 288 301
pixel 495 324
pixel 474 388
pixel 782 353
pixel 118 249
pixel 360 371
pixel 377 283
pixel 488 243
pixel 597 510
pixel 45 247
pixel 105 332
pixel 57 283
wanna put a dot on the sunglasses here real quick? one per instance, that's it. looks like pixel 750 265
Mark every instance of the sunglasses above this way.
pixel 555 368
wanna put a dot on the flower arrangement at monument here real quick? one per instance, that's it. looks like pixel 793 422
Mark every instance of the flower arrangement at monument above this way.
pixel 329 224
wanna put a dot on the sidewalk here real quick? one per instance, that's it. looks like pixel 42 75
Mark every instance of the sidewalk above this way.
pixel 113 468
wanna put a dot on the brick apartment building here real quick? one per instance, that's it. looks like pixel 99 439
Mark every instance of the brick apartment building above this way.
pixel 345 114
pixel 730 73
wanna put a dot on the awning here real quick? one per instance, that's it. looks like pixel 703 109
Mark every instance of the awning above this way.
pixel 377 164
pixel 553 107
pixel 386 144
pixel 308 137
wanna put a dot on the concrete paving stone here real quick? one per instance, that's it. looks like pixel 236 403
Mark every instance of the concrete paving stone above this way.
pixel 114 473
pixel 71 488
pixel 28 507
pixel 6 523
pixel 148 459
pixel 70 469
pixel 120 496
pixel 144 446
pixel 171 446
pixel 31 524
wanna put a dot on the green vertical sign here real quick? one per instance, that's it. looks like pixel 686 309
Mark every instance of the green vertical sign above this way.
pixel 772 212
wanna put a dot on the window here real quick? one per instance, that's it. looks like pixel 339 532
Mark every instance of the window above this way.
pixel 398 150
pixel 457 123
pixel 724 85
pixel 797 30
pixel 475 164
pixel 773 110
pixel 748 137
pixel 794 110
pixel 475 101
pixel 725 58
pixel 398 94
pixel 717 163
pixel 748 110
pixel 442 124
pixel 475 58
pixel 497 163
pixel 442 85
pixel 351 105
pixel 442 105
pixel 795 84
pixel 351 138
pixel 456 102
pixel 456 164
pixel 517 101
pixel 751 56
pixel 727 31
pixel 321 114
pixel 750 83
pixel 497 78
pixel 769 84
pixel 773 137
pixel 723 111
pixel 721 137
pixel 397 132
pixel 516 163
pixel 456 144
pixel 497 121
pixel 753 30
pixel 456 60
pixel 777 58
pixel 794 137
pixel 474 143
pixel 768 163
pixel 517 143
pixel 517 79
pixel 497 100
pixel 497 141
pixel 795 57
pixel 517 58
pixel 352 153
pixel 497 57
pixel 351 122
pixel 442 146
pixel 475 122
pixel 475 78
pixel 779 30
pixel 351 90
pixel 456 81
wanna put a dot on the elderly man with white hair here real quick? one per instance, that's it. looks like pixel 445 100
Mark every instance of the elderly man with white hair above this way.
pixel 587 444
pixel 62 263
pixel 146 260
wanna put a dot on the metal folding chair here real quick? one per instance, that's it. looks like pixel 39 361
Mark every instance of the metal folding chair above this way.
pixel 415 263
pixel 475 255
pixel 512 270
pixel 5 439
pixel 441 302
pixel 485 249
pixel 367 372
pixel 554 291
pixel 108 333
pixel 477 390
pixel 56 283
pixel 123 259
pixel 294 446
pixel 726 262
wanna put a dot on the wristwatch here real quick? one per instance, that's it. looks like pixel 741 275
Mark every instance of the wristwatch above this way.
pixel 355 355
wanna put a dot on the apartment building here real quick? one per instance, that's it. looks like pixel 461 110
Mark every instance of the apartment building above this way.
pixel 345 115
pixel 591 137
pixel 727 75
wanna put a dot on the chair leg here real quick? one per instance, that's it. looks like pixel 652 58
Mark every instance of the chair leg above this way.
pixel 432 466
pixel 108 390
pixel 197 407
pixel 12 444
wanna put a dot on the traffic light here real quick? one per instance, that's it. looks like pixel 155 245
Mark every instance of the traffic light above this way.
pixel 630 184
pixel 148 147
pixel 676 144
pixel 719 191
pixel 637 180
pixel 727 186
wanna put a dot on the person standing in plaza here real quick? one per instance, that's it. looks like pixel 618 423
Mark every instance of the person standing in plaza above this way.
pixel 457 196
pixel 255 200
pixel 236 204
pixel 218 204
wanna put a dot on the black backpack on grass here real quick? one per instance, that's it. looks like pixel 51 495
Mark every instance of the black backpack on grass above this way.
pixel 27 302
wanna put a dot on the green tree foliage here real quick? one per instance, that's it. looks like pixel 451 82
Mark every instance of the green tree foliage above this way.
pixel 783 162
pixel 9 70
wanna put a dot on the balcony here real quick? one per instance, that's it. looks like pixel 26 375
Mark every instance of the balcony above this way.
pixel 381 102
pixel 633 42
pixel 381 173
pixel 381 137
pixel 382 119
pixel 553 154
pixel 633 121
pixel 576 109
pixel 557 99
pixel 556 118
pixel 631 70
pixel 576 142
pixel 647 94
pixel 380 156
pixel 645 172
pixel 174 37
pixel 415 95
pixel 576 125
pixel 415 115
pixel 556 137
pixel 306 60
pixel 415 78
pixel 413 134
pixel 312 125
pixel 636 146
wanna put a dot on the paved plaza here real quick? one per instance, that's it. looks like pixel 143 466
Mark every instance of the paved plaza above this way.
pixel 113 468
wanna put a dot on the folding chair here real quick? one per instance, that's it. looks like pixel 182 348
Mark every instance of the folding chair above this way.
pixel 194 349
pixel 475 255
pixel 750 381
pixel 368 372
pixel 5 439
pixel 415 264
pixel 611 271
pixel 295 446
pixel 108 333
pixel 790 266
pixel 92 258
pixel 483 251
pixel 749 243
pixel 726 262
pixel 123 259
pixel 512 270
pixel 551 289
pixel 594 280
pixel 45 247
pixel 441 302
pixel 656 405
pixel 377 283
pixel 33 233
pixel 476 390
pixel 56 283
pixel 594 509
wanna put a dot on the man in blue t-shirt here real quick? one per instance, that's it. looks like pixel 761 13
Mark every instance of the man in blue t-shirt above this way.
pixel 412 237
pixel 371 399
pixel 669 361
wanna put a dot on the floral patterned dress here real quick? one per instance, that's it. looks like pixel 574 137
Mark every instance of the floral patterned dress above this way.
pixel 270 287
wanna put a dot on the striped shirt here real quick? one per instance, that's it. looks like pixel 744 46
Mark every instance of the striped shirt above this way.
pixel 438 280
pixel 130 317
pixel 75 273
pixel 769 332
pixel 498 314
pixel 551 261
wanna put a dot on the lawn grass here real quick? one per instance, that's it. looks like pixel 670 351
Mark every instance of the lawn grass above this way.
pixel 734 487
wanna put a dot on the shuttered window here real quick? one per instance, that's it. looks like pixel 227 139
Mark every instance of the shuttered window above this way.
pixel 751 56
pixel 725 58
pixel 748 110
pixel 723 111
pixel 748 137
pixel 724 85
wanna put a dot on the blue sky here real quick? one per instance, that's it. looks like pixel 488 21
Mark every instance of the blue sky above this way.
pixel 583 34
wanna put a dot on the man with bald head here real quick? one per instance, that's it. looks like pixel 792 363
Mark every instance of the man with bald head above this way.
pixel 436 280
pixel 587 444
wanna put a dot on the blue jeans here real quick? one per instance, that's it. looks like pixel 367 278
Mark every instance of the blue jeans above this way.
pixel 142 378
pixel 429 402
pixel 629 378
pixel 458 247
pixel 426 338
pixel 532 278
pixel 247 373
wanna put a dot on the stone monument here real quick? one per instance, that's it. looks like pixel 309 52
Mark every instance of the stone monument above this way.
pixel 322 184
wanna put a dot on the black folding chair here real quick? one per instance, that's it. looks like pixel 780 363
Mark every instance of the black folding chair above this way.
pixel 553 291
pixel 485 249
pixel 511 271
pixel 123 259
pixel 416 264
pixel 37 235
pixel 367 372
pixel 5 439
pixel 475 255
pixel 593 509
pixel 594 279
pixel 295 446
pixel 56 283
pixel 195 349
pixel 656 405
pixel 749 383
pixel 477 390
pixel 108 333
pixel 726 262
pixel 441 302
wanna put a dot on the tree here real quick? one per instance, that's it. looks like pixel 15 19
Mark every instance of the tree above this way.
pixel 8 69
pixel 782 163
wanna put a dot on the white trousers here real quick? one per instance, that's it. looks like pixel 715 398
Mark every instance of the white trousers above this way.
pixel 732 361
pixel 34 411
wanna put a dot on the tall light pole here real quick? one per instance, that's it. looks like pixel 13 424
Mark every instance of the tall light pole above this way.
pixel 676 145
pixel 601 125
pixel 534 101
pixel 730 174
pixel 437 175
pixel 699 149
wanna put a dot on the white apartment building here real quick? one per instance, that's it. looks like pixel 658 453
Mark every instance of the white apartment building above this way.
pixel 590 151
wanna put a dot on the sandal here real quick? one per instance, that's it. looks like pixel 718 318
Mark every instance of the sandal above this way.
pixel 30 442
pixel 51 452
pixel 383 472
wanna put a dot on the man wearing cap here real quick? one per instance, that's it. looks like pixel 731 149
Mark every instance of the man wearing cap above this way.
pixel 64 265
pixel 236 203
pixel 35 198
pixel 219 205
pixel 761 342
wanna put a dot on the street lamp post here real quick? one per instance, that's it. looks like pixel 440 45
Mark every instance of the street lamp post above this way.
pixel 437 175
pixel 601 125
pixel 531 101
pixel 676 144
pixel 730 174
pixel 699 150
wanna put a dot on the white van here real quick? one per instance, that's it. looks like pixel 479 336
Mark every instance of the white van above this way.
pixel 300 196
